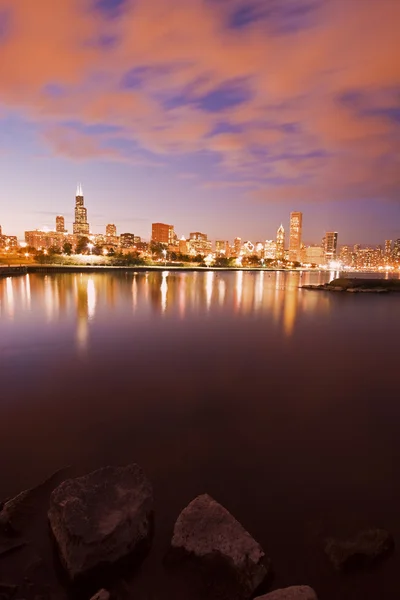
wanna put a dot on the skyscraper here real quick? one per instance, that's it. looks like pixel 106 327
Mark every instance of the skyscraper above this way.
pixel 162 233
pixel 330 249
pixel 111 229
pixel 388 248
pixel 296 225
pixel 237 245
pixel 81 226
pixel 60 224
pixel 280 243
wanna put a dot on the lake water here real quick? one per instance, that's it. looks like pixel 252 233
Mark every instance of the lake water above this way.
pixel 281 403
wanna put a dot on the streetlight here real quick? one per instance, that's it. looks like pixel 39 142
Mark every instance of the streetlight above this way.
pixel 165 256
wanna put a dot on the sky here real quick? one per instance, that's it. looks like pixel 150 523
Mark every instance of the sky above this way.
pixel 219 116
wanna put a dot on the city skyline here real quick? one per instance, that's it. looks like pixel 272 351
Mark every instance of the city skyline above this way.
pixel 80 225
pixel 245 115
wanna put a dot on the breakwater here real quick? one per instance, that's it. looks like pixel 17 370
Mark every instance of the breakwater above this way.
pixel 11 271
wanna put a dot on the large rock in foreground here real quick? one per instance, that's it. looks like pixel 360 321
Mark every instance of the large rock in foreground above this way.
pixel 101 518
pixel 207 532
pixel 296 592
pixel 360 551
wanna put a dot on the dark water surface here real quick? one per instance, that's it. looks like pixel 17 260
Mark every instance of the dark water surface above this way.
pixel 281 403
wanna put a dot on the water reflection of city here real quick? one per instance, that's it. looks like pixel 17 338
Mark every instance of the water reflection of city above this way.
pixel 167 293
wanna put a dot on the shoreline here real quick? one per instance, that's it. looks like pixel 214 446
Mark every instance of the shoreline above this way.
pixel 36 268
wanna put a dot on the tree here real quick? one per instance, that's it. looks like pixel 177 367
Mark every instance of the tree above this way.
pixel 82 245
pixel 67 248
pixel 224 262
pixel 156 248
pixel 54 250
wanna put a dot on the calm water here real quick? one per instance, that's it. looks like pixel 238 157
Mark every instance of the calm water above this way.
pixel 281 403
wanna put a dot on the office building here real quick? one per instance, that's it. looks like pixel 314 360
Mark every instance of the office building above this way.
pixel 81 225
pixel 270 249
pixel 280 243
pixel 237 246
pixel 221 247
pixel 43 240
pixel 314 255
pixel 199 244
pixel 330 247
pixel 296 226
pixel 127 240
pixel 8 241
pixel 162 233
pixel 60 224
pixel 111 229
pixel 388 248
pixel 396 250
pixel 346 256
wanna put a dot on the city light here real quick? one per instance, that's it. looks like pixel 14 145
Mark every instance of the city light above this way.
pixel 276 253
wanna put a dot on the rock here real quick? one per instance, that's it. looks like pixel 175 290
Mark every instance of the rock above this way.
pixel 18 512
pixel 360 551
pixel 101 517
pixel 7 590
pixel 101 595
pixel 296 592
pixel 206 531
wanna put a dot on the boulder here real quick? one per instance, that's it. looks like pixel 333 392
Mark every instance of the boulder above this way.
pixel 296 592
pixel 101 595
pixel 207 532
pixel 100 518
pixel 361 550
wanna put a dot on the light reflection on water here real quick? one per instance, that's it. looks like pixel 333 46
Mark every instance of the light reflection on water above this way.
pixel 90 299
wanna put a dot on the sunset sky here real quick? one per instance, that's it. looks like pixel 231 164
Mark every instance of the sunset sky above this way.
pixel 219 116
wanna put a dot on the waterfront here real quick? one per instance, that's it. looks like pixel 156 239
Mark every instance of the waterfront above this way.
pixel 279 402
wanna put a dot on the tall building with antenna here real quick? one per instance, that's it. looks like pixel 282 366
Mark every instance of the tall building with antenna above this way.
pixel 81 225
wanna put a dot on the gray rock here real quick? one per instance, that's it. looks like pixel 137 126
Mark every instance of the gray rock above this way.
pixel 296 592
pixel 360 551
pixel 206 531
pixel 101 595
pixel 101 517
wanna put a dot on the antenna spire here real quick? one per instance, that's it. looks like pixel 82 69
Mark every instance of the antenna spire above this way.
pixel 79 191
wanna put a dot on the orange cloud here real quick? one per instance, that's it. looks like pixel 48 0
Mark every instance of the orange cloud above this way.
pixel 292 124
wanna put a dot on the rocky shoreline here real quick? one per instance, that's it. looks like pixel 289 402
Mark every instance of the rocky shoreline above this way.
pixel 355 285
pixel 102 526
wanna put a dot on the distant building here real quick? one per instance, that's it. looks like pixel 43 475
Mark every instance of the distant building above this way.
pixel 396 250
pixel 8 241
pixel 270 249
pixel 111 229
pixel 346 256
pixel 162 233
pixel 237 246
pixel 221 247
pixel 259 249
pixel 388 248
pixel 127 240
pixel 330 248
pixel 183 246
pixel 81 225
pixel 314 255
pixel 199 244
pixel 280 243
pixel 198 236
pixel 296 226
pixel 42 240
pixel 60 224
